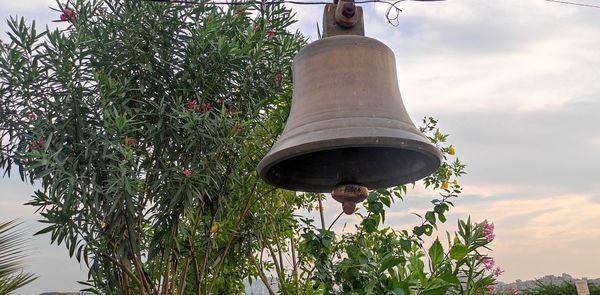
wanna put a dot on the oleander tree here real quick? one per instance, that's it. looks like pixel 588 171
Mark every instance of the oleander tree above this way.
pixel 142 122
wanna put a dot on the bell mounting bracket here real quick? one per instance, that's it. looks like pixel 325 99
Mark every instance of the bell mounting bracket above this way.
pixel 343 17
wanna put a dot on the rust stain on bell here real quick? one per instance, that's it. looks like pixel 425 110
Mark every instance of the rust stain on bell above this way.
pixel 347 123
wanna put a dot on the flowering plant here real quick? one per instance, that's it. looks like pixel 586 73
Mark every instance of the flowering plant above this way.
pixel 141 122
pixel 378 259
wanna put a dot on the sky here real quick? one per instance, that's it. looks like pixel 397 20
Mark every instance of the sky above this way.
pixel 516 84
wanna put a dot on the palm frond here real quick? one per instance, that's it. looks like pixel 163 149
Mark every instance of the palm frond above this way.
pixel 13 252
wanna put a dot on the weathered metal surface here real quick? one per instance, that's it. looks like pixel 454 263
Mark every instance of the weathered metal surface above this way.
pixel 347 124
pixel 336 23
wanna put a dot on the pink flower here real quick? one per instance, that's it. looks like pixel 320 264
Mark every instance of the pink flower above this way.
pixel 67 15
pixel 489 263
pixel 190 105
pixel 514 291
pixel 270 34
pixel 498 272
pixel 131 141
pixel 488 230
pixel 30 116
pixel 38 145
pixel 277 78
pixel 187 172
pixel 491 288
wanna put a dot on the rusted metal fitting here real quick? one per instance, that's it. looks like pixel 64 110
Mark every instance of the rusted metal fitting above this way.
pixel 345 13
pixel 349 195
pixel 343 18
pixel 349 9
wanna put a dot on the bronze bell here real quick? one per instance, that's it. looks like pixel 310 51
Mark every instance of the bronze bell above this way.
pixel 347 124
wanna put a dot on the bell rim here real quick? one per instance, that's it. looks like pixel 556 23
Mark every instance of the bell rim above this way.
pixel 426 149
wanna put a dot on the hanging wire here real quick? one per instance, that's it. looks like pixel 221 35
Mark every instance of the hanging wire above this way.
pixel 574 3
pixel 285 1
pixel 392 13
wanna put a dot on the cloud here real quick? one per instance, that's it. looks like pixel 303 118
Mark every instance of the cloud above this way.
pixel 31 10
pixel 27 6
pixel 502 55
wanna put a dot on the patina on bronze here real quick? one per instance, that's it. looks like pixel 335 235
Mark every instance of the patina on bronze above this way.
pixel 347 126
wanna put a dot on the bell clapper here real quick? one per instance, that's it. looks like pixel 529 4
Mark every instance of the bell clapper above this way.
pixel 349 195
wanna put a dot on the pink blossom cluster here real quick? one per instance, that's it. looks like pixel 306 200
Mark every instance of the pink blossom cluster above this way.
pixel 498 272
pixel 277 78
pixel 488 230
pixel 489 263
pixel 38 145
pixel 491 288
pixel 514 291
pixel 67 15
pixel 190 105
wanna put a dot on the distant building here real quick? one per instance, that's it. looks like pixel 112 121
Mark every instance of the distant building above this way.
pixel 546 280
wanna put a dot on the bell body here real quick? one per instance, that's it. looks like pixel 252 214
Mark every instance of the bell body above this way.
pixel 347 123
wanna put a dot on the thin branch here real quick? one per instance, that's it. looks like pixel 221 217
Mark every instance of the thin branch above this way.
pixel 184 272
pixel 262 276
pixel 275 261
pixel 321 213
pixel 294 261
pixel 245 211
pixel 126 270
pixel 335 220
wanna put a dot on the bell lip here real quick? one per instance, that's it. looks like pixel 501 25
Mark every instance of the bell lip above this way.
pixel 428 150
pixel 335 42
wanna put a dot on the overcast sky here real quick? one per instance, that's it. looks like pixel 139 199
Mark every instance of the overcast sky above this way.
pixel 517 85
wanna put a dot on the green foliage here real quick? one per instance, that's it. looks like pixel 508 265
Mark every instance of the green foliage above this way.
pixel 143 122
pixel 12 258
pixel 376 259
